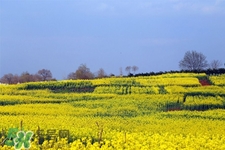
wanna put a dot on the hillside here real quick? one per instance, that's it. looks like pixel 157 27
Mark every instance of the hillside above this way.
pixel 115 113
pixel 182 90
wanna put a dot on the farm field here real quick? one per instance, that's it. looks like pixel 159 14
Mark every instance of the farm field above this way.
pixel 169 111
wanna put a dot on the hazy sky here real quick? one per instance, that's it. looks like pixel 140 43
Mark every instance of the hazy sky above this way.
pixel 154 35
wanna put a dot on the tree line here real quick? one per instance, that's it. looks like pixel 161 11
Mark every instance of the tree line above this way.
pixel 192 62
pixel 83 72
pixel 41 75
pixel 208 71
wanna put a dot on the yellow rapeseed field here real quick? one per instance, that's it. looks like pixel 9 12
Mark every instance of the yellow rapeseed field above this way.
pixel 164 112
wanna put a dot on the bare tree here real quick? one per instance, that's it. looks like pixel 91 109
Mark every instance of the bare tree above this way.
pixel 26 77
pixel 193 61
pixel 7 78
pixel 121 71
pixel 45 74
pixel 83 72
pixel 72 75
pixel 128 68
pixel 16 79
pixel 101 73
pixel 37 77
pixel 215 64
pixel 134 69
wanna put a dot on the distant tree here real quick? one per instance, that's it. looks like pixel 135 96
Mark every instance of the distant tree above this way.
pixel 215 64
pixel 45 74
pixel 134 69
pixel 193 61
pixel 101 73
pixel 83 72
pixel 26 77
pixel 72 75
pixel 16 79
pixel 7 78
pixel 121 71
pixel 128 68
pixel 36 77
pixel 111 75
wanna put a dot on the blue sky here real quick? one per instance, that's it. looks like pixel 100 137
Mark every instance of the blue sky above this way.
pixel 154 35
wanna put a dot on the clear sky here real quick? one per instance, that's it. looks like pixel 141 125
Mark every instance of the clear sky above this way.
pixel 154 35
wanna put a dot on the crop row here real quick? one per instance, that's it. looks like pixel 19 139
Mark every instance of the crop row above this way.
pixel 218 80
pixel 126 90
pixel 181 130
pixel 187 79
pixel 118 113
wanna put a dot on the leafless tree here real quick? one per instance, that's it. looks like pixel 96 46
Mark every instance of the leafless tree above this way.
pixel 37 77
pixel 134 69
pixel 215 64
pixel 26 77
pixel 101 73
pixel 128 68
pixel 121 71
pixel 83 72
pixel 16 79
pixel 45 74
pixel 72 75
pixel 7 78
pixel 193 61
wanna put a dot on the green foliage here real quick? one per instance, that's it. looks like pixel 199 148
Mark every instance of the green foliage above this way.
pixel 62 86
pixel 162 90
